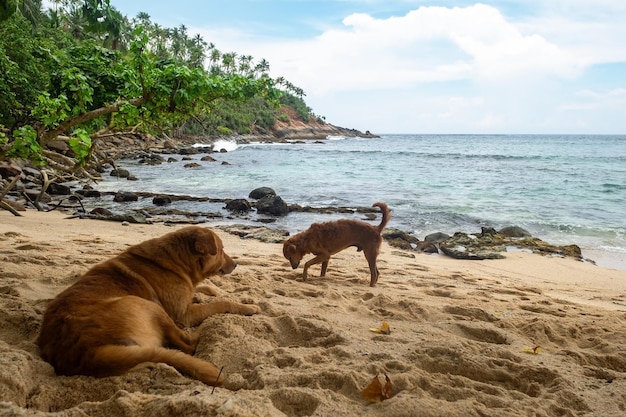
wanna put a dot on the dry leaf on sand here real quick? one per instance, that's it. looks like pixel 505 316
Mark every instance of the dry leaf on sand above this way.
pixel 375 392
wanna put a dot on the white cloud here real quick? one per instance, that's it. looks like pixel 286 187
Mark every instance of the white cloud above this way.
pixel 511 68
pixel 430 44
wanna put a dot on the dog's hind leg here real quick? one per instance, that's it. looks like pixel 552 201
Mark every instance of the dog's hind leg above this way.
pixel 111 360
pixel 371 261
pixel 324 267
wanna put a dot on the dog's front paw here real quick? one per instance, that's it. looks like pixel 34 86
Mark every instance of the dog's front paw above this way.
pixel 249 309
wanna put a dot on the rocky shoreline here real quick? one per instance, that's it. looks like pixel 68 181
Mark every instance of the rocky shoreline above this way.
pixel 26 192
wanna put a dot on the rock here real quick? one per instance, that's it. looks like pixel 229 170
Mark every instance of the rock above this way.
pixel 161 200
pixel 9 170
pixel 187 151
pixel 58 189
pixel 436 237
pixel 427 247
pixel 100 211
pixel 462 246
pixel 120 173
pixel 33 194
pixel 124 196
pixel 272 205
pixel 261 233
pixel 60 147
pixel 208 158
pixel 487 231
pixel 192 165
pixel 259 193
pixel 238 205
pixel 89 193
pixel 514 231
pixel 399 239
pixel 490 246
pixel 152 159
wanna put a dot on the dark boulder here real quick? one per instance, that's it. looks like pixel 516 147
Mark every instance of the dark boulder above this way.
pixel 272 204
pixel 238 205
pixel 188 151
pixel 436 237
pixel 120 173
pixel 161 200
pixel 259 193
pixel 90 193
pixel 9 170
pixel 58 189
pixel 124 196
pixel 427 247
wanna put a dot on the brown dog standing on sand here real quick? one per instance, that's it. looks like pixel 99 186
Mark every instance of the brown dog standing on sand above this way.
pixel 326 239
pixel 127 310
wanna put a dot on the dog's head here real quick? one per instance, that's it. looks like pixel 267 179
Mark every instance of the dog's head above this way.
pixel 291 252
pixel 201 249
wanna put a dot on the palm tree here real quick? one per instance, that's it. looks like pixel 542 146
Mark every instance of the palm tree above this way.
pixel 197 54
pixel 228 62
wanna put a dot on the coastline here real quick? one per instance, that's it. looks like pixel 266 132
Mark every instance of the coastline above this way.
pixel 460 331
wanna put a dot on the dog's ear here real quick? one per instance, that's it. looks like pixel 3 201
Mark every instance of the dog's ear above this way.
pixel 290 249
pixel 206 242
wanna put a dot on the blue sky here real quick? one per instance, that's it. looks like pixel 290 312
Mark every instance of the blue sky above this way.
pixel 410 66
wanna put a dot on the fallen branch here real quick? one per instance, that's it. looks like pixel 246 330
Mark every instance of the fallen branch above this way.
pixel 4 192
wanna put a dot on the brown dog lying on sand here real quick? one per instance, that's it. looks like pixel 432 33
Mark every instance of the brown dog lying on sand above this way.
pixel 326 239
pixel 127 310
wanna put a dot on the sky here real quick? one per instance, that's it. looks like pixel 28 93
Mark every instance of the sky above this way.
pixel 412 66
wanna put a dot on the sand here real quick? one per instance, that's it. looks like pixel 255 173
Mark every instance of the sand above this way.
pixel 461 342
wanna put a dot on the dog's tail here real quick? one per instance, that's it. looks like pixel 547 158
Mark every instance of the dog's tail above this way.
pixel 386 215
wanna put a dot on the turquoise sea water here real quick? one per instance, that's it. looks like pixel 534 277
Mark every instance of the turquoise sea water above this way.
pixel 562 188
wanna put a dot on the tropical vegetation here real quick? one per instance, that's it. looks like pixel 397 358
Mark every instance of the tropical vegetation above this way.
pixel 80 72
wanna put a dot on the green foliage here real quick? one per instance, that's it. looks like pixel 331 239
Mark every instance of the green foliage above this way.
pixel 224 131
pixel 51 111
pixel 25 145
pixel 69 73
pixel 241 117
pixel 80 143
pixel 303 111
pixel 7 8
pixel 26 62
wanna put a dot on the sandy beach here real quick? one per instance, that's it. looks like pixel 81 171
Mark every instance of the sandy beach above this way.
pixel 523 336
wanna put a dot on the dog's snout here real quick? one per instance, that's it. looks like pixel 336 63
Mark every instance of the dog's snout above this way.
pixel 228 266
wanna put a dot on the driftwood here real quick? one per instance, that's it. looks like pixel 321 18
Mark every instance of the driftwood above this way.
pixel 4 192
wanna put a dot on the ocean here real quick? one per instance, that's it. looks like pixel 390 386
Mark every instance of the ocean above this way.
pixel 564 189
